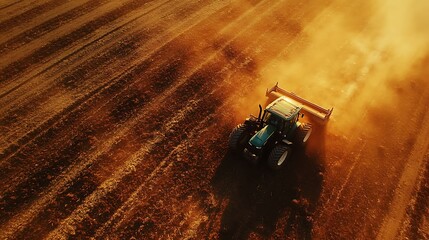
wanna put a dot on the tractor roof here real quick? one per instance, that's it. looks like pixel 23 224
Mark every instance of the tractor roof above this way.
pixel 283 108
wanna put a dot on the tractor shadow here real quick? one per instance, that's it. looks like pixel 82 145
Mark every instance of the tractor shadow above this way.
pixel 259 197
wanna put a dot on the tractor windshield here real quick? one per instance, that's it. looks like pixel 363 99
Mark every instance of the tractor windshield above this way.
pixel 274 120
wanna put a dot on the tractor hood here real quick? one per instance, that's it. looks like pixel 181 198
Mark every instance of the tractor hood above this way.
pixel 261 137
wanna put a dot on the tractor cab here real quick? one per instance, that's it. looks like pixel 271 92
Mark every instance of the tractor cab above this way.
pixel 282 114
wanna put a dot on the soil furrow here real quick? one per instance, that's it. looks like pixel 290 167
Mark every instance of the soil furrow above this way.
pixel 16 69
pixel 60 183
pixel 19 7
pixel 156 78
pixel 86 72
pixel 98 123
pixel 127 222
pixel 115 118
pixel 137 167
pixel 144 186
pixel 6 5
pixel 94 45
pixel 131 75
pixel 371 163
pixel 418 212
pixel 406 181
pixel 29 14
pixel 136 177
pixel 178 96
pixel 241 58
pixel 164 205
pixel 53 23
pixel 65 29
pixel 91 180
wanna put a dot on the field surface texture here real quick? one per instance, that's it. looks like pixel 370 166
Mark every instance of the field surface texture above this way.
pixel 115 118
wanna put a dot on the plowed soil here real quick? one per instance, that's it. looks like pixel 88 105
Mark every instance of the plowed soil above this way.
pixel 115 117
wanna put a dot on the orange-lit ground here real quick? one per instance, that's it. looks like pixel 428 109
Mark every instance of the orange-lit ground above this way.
pixel 114 117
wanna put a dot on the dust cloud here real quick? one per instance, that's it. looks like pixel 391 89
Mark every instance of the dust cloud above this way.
pixel 350 56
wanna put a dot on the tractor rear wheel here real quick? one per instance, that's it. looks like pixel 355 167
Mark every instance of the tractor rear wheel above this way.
pixel 279 156
pixel 303 133
pixel 238 137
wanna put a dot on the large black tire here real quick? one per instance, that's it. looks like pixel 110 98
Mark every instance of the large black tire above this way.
pixel 279 156
pixel 302 134
pixel 238 137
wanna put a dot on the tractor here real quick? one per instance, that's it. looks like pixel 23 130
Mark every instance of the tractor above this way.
pixel 277 129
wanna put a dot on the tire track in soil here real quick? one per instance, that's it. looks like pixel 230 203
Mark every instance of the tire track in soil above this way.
pixel 65 29
pixel 179 208
pixel 12 176
pixel 132 224
pixel 122 175
pixel 352 150
pixel 76 105
pixel 128 225
pixel 62 58
pixel 355 193
pixel 125 176
pixel 116 144
pixel 406 180
pixel 142 190
pixel 17 68
pixel 337 200
pixel 5 5
pixel 141 214
pixel 86 180
pixel 95 44
pixel 418 211
pixel 25 49
pixel 88 230
pixel 207 99
pixel 29 14
pixel 49 25
pixel 15 181
pixel 45 86
pixel 19 7
pixel 348 201
pixel 133 200
pixel 144 64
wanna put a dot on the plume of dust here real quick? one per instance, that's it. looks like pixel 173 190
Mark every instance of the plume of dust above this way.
pixel 351 56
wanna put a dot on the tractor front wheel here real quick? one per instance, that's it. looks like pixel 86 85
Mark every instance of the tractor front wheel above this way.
pixel 238 137
pixel 279 156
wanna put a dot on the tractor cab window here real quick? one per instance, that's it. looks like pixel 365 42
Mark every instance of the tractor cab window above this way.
pixel 273 120
pixel 290 123
pixel 266 117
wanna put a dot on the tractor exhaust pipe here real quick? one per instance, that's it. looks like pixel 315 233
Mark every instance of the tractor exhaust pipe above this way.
pixel 260 112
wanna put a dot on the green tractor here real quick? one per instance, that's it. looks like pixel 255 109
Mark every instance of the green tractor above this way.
pixel 277 129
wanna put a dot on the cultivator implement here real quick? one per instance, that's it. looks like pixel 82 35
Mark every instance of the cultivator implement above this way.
pixel 308 107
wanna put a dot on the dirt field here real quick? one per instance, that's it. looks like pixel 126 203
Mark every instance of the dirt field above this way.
pixel 115 115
